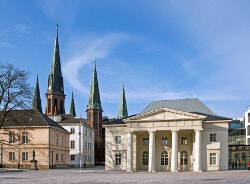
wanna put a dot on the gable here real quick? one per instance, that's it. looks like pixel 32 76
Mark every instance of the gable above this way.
pixel 165 114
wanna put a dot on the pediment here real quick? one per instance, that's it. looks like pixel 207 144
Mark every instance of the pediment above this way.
pixel 165 114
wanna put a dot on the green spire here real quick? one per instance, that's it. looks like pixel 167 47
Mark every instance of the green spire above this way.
pixel 55 81
pixel 123 112
pixel 36 103
pixel 94 98
pixel 72 106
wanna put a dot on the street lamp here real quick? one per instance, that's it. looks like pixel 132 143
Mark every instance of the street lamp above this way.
pixel 80 146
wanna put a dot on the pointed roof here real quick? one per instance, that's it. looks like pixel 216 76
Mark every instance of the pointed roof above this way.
pixel 123 112
pixel 94 98
pixel 55 81
pixel 72 106
pixel 36 103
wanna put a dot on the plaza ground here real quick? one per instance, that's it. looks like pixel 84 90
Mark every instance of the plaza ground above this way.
pixel 99 175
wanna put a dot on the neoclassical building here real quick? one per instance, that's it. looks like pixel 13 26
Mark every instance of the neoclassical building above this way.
pixel 171 135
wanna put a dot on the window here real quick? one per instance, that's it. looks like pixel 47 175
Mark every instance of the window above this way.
pixel 90 134
pixel 212 158
pixel 72 144
pixel 145 158
pixel 164 158
pixel 86 132
pixel 183 158
pixel 72 130
pixel 117 139
pixel 145 141
pixel 62 140
pixel 184 140
pixel 118 159
pixel 62 157
pixel 24 137
pixel 243 155
pixel 164 140
pixel 72 157
pixel 11 156
pixel 11 137
pixel 212 137
pixel 57 157
pixel 57 139
pixel 236 156
pixel 24 156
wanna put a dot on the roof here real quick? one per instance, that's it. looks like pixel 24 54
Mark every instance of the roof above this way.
pixel 210 117
pixel 69 120
pixel 30 118
pixel 186 105
pixel 115 121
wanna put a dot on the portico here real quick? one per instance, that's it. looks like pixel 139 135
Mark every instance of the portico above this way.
pixel 156 159
pixel 167 140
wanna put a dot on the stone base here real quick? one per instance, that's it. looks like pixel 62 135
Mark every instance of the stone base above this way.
pixel 33 165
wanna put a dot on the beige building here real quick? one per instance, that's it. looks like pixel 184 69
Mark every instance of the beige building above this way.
pixel 171 135
pixel 28 135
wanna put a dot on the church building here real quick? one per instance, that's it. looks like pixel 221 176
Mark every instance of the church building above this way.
pixel 168 135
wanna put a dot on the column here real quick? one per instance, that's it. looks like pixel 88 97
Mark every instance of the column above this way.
pixel 174 156
pixel 130 152
pixel 151 159
pixel 197 151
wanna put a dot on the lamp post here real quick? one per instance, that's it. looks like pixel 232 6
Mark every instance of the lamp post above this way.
pixel 80 146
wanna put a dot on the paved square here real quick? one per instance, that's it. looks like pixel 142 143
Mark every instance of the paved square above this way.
pixel 98 175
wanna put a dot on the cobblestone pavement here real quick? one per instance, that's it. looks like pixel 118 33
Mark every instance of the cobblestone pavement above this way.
pixel 97 175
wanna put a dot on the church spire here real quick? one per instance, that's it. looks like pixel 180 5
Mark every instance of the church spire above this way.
pixel 72 106
pixel 123 112
pixel 36 103
pixel 55 81
pixel 55 93
pixel 94 98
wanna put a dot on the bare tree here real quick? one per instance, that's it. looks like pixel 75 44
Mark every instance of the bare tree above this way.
pixel 15 92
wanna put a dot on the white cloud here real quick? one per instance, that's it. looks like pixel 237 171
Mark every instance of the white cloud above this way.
pixel 83 51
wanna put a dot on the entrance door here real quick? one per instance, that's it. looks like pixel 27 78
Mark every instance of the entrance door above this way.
pixel 164 160
pixel 183 161
pixel 145 160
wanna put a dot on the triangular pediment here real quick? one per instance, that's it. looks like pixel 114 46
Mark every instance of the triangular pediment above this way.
pixel 165 114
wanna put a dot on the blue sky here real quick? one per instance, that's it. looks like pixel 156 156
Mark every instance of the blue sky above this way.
pixel 159 50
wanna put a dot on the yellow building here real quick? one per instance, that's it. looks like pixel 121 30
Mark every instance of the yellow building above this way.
pixel 29 135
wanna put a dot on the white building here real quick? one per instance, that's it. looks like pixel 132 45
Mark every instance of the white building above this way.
pixel 81 140
pixel 174 135
pixel 247 126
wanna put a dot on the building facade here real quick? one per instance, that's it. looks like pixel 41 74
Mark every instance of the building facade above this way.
pixel 174 135
pixel 30 135
pixel 247 126
pixel 81 141
pixel 238 150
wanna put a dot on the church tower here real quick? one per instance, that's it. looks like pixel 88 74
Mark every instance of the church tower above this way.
pixel 123 112
pixel 36 103
pixel 94 119
pixel 55 93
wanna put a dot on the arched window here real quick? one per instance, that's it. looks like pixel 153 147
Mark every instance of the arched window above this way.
pixel 55 107
pixel 164 158
pixel 183 158
pixel 49 105
pixel 145 158
pixel 61 107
